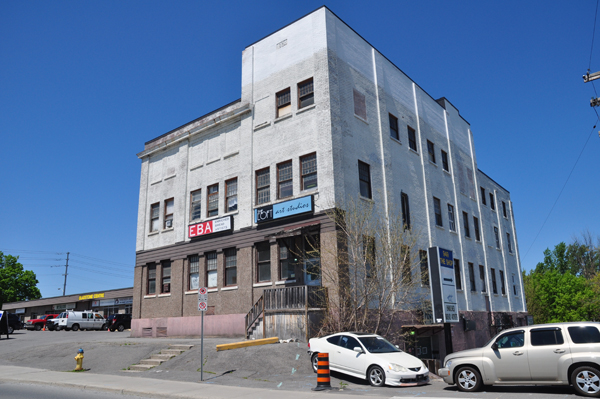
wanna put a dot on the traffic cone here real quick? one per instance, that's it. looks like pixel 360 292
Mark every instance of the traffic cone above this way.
pixel 323 380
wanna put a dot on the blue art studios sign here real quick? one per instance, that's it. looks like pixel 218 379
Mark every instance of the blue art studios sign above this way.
pixel 283 209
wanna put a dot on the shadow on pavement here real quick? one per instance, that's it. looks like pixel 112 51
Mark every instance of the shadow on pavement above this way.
pixel 523 389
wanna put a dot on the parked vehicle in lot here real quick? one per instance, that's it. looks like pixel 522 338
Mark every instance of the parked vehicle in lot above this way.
pixel 551 354
pixel 119 322
pixel 370 357
pixel 39 323
pixel 80 320
pixel 14 323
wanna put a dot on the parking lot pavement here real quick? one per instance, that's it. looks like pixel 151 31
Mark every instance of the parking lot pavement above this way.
pixel 275 367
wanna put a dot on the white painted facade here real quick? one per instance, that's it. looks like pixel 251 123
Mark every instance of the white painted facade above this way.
pixel 245 136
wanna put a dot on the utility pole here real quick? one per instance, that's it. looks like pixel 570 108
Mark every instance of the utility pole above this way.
pixel 66 268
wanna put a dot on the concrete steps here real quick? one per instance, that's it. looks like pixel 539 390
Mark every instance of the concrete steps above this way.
pixel 157 359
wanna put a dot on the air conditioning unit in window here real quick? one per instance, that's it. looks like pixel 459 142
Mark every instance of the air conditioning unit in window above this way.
pixel 169 223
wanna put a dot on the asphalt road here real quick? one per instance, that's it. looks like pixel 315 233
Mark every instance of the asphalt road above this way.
pixel 276 366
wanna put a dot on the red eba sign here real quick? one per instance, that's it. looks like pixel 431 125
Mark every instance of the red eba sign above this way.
pixel 212 226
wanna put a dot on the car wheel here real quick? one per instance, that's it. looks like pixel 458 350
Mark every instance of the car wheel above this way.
pixel 376 376
pixel 468 379
pixel 38 327
pixel 10 330
pixel 75 327
pixel 315 362
pixel 121 328
pixel 586 381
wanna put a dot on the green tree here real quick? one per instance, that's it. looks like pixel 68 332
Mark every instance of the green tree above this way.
pixel 557 297
pixel 16 284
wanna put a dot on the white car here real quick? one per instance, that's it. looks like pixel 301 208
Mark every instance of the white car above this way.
pixel 370 357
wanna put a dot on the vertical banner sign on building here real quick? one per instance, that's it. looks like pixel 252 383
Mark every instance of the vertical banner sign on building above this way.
pixel 443 286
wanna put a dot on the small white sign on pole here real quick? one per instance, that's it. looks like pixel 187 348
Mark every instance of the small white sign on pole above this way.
pixel 202 299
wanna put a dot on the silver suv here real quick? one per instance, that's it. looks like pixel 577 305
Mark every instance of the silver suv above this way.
pixel 549 354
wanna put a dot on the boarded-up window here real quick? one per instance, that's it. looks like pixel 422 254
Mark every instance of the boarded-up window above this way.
pixel 360 106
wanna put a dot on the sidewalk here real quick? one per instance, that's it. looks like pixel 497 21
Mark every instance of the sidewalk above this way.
pixel 155 387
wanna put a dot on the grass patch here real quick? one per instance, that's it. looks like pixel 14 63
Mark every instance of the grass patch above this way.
pixel 208 372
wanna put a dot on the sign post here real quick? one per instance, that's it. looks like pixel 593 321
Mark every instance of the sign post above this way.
pixel 202 306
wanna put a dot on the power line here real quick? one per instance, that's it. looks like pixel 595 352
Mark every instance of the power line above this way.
pixel 31 251
pixel 101 260
pixel 102 266
pixel 564 185
pixel 102 272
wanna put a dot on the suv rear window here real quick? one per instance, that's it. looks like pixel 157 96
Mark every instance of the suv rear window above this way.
pixel 546 336
pixel 584 335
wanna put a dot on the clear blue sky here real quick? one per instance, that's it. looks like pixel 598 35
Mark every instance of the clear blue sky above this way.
pixel 83 84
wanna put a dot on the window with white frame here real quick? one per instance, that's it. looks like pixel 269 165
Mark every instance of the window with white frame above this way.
pixel 394 127
pixel 211 269
pixel 168 219
pixel 154 216
pixel 451 222
pixel 263 186
pixel 166 277
pixel 285 183
pixel 194 280
pixel 196 205
pixel 231 189
pixel 263 262
pixel 212 199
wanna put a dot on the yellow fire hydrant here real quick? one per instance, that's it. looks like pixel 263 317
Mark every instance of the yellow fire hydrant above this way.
pixel 79 360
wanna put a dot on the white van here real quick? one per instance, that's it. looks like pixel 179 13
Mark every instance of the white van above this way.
pixel 80 320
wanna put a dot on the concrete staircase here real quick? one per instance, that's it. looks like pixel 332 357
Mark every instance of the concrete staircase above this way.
pixel 158 358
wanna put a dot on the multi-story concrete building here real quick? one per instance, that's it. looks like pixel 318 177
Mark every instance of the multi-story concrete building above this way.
pixel 323 116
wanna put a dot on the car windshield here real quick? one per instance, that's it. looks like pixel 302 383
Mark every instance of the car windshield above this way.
pixel 378 344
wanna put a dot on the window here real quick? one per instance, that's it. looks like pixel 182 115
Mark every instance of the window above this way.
pixel 472 277
pixel 306 93
pixel 497 237
pixel 457 279
pixel 263 186
pixel 511 340
pixel 508 243
pixel 151 279
pixel 364 176
pixel 412 138
pixel 424 268
pixel 285 184
pixel 502 287
pixel 211 269
pixel 504 209
pixel 154 216
pixel 284 104
pixel 546 336
pixel 166 277
pixel 494 288
pixel 394 127
pixel 360 106
pixel 482 278
pixel 514 284
pixel 168 219
pixel 212 198
pixel 492 204
pixel 194 272
pixel 405 211
pixel 451 221
pixel 286 259
pixel 196 205
pixel 437 209
pixel 230 266
pixel 584 335
pixel 476 226
pixel 368 248
pixel 431 151
pixel 231 202
pixel 308 171
pixel 349 343
pixel 445 161
pixel 263 257
pixel 482 195
pixel 466 223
